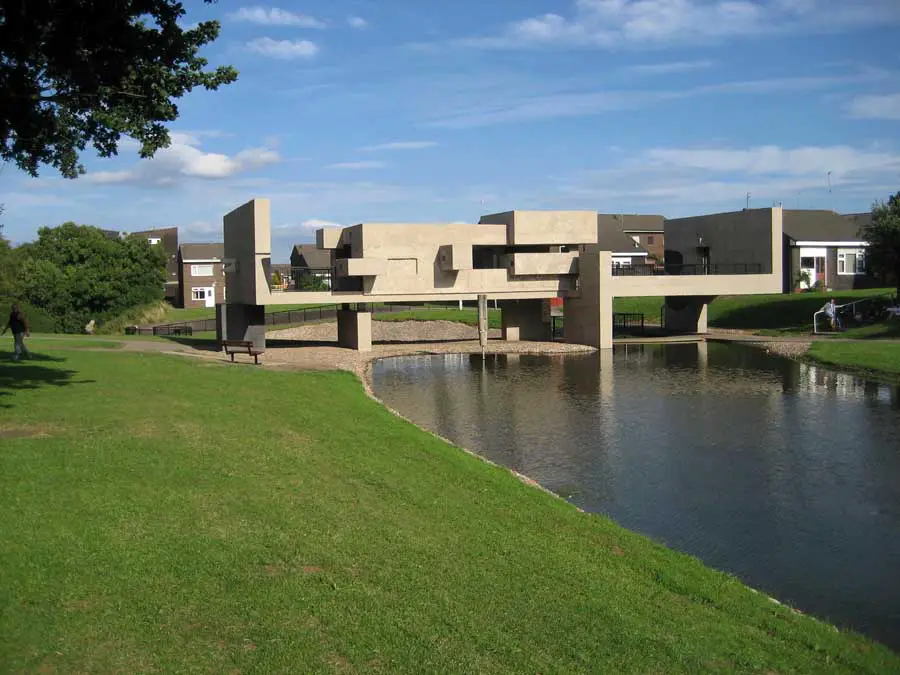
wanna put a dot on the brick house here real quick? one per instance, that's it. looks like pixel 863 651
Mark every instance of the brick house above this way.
pixel 201 275
pixel 647 231
pixel 828 247
pixel 168 238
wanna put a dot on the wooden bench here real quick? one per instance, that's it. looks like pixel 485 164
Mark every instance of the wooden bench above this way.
pixel 233 347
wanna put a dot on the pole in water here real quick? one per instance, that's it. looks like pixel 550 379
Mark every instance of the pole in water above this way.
pixel 482 323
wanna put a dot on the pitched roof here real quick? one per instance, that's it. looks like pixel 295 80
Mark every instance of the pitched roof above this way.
pixel 628 222
pixel 618 242
pixel 213 252
pixel 819 225
pixel 315 257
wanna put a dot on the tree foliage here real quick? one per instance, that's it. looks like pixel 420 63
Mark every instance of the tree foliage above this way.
pixel 77 273
pixel 883 238
pixel 74 72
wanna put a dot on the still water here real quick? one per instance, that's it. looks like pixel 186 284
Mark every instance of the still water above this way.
pixel 784 474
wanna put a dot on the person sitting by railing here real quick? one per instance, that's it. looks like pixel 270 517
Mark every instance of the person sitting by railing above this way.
pixel 831 312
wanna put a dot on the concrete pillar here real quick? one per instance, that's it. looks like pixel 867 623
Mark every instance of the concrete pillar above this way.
pixel 355 329
pixel 688 314
pixel 241 322
pixel 524 320
pixel 588 316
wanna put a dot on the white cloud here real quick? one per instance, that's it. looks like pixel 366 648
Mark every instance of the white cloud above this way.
pixel 357 22
pixel 841 160
pixel 357 166
pixel 400 145
pixel 518 102
pixel 875 107
pixel 283 49
pixel 615 24
pixel 670 68
pixel 688 181
pixel 274 16
pixel 184 158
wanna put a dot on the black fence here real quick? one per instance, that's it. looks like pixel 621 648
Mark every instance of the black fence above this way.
pixel 628 321
pixel 280 318
pixel 688 270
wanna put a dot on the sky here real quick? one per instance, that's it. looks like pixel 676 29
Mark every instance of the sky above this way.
pixel 352 111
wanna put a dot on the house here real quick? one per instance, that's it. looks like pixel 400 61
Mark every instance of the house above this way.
pixel 625 250
pixel 647 231
pixel 311 267
pixel 201 275
pixel 167 237
pixel 827 247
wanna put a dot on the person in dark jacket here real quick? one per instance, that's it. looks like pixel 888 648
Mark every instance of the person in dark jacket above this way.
pixel 18 324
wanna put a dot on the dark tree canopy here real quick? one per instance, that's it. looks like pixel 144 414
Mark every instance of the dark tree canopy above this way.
pixel 79 72
pixel 883 237
pixel 76 273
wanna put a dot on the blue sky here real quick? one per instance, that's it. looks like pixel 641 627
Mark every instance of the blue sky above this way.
pixel 417 112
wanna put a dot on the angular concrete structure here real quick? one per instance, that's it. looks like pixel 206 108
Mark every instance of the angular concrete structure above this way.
pixel 517 258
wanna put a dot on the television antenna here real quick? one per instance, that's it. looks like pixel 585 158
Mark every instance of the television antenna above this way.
pixel 748 201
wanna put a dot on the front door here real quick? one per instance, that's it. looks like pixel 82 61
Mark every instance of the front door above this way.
pixel 210 298
pixel 812 262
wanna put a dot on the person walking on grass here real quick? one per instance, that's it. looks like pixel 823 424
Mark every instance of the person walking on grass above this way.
pixel 18 324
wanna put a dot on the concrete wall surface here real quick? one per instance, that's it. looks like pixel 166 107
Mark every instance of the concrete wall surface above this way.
pixel 524 320
pixel 247 243
pixel 751 236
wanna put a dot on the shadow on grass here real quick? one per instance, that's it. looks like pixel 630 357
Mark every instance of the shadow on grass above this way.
pixel 30 374
pixel 793 313
pixel 203 344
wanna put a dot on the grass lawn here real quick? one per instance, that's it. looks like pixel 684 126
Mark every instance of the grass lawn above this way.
pixel 869 358
pixel 163 514
pixel 39 341
pixel 649 306
pixel 789 313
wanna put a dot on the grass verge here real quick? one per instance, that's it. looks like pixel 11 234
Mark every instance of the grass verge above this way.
pixel 162 514
pixel 879 360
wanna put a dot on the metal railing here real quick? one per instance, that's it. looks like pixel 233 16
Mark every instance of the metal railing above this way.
pixel 280 318
pixel 628 321
pixel 307 279
pixel 877 307
pixel 689 269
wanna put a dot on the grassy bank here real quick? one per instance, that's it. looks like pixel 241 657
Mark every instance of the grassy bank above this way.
pixel 162 514
pixel 880 360
pixel 791 313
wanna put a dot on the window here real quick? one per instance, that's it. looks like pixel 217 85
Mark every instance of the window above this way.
pixel 198 293
pixel 851 261
pixel 651 240
pixel 807 263
pixel 201 270
pixel 154 240
pixel 636 239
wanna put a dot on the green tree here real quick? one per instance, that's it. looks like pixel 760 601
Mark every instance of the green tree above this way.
pixel 883 238
pixel 74 72
pixel 77 273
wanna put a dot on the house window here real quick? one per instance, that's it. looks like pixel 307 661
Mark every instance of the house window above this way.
pixel 851 261
pixel 636 239
pixel 201 270
pixel 651 240
pixel 198 293
pixel 154 240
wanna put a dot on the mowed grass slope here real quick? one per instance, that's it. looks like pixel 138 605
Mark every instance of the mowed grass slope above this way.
pixel 162 514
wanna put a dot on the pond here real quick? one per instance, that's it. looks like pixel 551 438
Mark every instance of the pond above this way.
pixel 784 474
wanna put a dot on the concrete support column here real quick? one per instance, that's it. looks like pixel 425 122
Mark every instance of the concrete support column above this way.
pixel 524 320
pixel 355 329
pixel 688 314
pixel 241 322
pixel 588 316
